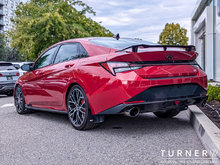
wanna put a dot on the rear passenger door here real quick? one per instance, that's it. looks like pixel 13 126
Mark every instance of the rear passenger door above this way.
pixel 63 70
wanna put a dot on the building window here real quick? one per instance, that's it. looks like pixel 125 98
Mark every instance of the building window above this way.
pixel 12 3
pixel 6 10
pixel 218 8
pixel 12 13
pixel 6 20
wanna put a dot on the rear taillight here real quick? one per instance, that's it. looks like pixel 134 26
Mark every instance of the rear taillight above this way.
pixel 117 67
pixel 17 74
pixel 1 75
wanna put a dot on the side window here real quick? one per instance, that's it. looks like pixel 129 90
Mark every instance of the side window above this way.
pixel 67 52
pixel 45 59
pixel 82 52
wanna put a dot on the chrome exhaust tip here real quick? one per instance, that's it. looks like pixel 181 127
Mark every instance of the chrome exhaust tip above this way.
pixel 132 112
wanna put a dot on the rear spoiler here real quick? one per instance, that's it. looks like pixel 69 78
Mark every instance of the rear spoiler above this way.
pixel 135 47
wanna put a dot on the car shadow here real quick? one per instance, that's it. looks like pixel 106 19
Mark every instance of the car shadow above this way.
pixel 119 123
pixel 144 123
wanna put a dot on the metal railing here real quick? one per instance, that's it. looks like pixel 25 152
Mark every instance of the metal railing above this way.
pixel 1 22
pixel 1 12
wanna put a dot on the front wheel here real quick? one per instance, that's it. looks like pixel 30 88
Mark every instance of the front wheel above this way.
pixel 78 109
pixel 19 101
pixel 167 114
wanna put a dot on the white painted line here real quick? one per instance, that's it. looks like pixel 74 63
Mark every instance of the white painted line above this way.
pixel 7 105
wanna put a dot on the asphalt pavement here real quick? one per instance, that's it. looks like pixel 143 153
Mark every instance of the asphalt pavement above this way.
pixel 49 139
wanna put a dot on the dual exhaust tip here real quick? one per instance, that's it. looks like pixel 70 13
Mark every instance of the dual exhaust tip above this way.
pixel 132 111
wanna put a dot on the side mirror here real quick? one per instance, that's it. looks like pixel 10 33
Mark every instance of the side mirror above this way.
pixel 26 67
pixel 17 66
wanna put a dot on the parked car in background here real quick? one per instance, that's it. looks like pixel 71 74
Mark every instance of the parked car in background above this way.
pixel 18 66
pixel 8 76
pixel 92 77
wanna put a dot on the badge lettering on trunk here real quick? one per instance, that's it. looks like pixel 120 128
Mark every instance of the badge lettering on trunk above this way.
pixel 169 57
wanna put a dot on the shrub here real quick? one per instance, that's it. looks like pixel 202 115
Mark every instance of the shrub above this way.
pixel 213 93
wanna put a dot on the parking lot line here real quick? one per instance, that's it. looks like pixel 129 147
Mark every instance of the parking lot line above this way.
pixel 7 105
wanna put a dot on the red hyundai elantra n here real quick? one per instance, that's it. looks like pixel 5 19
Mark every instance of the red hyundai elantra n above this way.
pixel 92 77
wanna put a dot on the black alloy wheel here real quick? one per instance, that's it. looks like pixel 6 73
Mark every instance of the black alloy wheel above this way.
pixel 19 101
pixel 78 109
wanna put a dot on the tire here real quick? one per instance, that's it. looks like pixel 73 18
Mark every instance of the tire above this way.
pixel 167 114
pixel 19 101
pixel 78 109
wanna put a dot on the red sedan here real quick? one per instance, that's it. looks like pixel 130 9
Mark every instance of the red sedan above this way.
pixel 92 77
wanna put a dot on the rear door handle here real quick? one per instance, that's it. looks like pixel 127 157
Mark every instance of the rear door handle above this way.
pixel 69 65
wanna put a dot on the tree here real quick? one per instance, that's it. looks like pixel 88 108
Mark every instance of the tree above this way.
pixel 173 34
pixel 7 53
pixel 41 23
pixel 2 47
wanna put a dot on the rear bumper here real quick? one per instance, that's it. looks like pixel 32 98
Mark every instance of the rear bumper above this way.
pixel 4 88
pixel 162 98
pixel 155 106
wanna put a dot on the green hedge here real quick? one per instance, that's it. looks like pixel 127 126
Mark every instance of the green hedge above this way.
pixel 213 93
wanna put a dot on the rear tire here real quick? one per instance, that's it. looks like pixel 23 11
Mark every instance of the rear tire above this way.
pixel 78 109
pixel 19 101
pixel 167 114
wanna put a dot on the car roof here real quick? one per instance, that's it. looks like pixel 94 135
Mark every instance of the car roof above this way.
pixel 90 38
pixel 100 48
pixel 21 62
pixel 5 62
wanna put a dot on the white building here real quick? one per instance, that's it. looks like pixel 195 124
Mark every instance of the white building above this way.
pixel 7 8
pixel 206 36
pixel 1 16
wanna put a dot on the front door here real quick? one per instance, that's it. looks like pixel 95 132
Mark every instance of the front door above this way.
pixel 33 86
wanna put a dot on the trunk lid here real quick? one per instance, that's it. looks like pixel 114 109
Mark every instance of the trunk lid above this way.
pixel 166 71
pixel 5 73
pixel 160 64
pixel 155 56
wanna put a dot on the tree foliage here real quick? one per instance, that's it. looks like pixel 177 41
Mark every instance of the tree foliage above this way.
pixel 173 34
pixel 41 23
pixel 7 53
pixel 2 46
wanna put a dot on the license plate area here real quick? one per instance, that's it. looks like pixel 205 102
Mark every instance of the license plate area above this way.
pixel 9 78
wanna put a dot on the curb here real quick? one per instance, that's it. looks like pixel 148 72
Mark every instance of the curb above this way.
pixel 207 131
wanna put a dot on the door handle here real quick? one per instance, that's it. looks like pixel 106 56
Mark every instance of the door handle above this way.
pixel 38 73
pixel 69 65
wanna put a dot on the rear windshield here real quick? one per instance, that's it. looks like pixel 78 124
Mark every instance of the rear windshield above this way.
pixel 7 66
pixel 118 44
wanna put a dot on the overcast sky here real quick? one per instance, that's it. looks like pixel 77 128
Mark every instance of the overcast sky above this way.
pixel 142 18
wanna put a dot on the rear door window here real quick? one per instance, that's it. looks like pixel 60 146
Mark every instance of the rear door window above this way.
pixel 67 52
pixel 82 52
pixel 7 66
